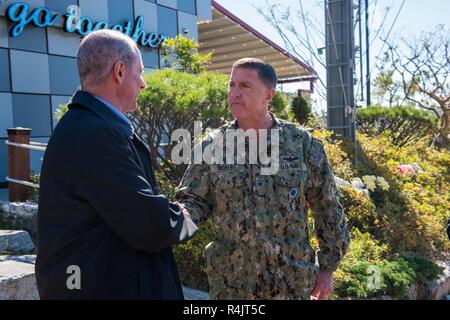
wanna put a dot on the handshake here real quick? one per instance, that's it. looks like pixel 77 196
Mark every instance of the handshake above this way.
pixel 183 210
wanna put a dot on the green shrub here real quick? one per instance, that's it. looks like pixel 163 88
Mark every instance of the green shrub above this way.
pixel 301 109
pixel 405 124
pixel 360 211
pixel 175 100
pixel 61 110
pixel 413 214
pixel 424 269
pixel 189 257
pixel 367 280
pixel 278 103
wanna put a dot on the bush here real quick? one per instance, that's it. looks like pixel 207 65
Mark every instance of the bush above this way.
pixel 301 109
pixel 363 279
pixel 189 257
pixel 174 100
pixel 404 124
pixel 278 103
pixel 424 269
pixel 360 211
pixel 413 214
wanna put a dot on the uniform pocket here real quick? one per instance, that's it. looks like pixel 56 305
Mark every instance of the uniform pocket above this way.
pixel 289 185
pixel 291 174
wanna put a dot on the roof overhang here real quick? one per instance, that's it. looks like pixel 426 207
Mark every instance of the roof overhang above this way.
pixel 230 39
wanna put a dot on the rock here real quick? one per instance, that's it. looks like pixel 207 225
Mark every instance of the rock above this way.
pixel 341 182
pixel 438 289
pixel 17 281
pixel 20 216
pixel 15 242
pixel 31 259
pixel 413 293
pixel 192 294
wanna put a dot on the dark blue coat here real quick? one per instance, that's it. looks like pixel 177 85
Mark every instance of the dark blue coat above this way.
pixel 99 209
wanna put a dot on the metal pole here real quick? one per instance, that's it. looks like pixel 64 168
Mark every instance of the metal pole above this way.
pixel 367 55
pixel 361 69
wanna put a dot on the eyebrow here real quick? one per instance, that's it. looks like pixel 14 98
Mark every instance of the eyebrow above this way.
pixel 244 82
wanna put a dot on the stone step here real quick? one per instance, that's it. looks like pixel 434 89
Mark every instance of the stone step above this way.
pixel 15 242
pixel 192 294
pixel 30 258
pixel 19 216
pixel 17 281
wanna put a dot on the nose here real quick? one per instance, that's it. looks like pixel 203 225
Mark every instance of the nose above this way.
pixel 234 92
pixel 143 84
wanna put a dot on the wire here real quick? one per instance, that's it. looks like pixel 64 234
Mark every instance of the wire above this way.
pixel 389 33
pixel 370 44
pixel 307 33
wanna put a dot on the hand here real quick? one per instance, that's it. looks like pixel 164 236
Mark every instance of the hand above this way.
pixel 324 285
pixel 184 210
pixel 186 213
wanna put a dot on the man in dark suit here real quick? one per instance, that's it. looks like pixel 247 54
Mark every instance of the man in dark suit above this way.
pixel 104 232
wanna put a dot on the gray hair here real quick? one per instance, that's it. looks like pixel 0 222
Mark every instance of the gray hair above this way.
pixel 98 53
pixel 265 71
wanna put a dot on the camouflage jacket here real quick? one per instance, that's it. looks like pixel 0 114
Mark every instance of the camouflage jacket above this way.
pixel 262 247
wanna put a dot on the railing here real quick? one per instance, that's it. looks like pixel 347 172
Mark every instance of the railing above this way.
pixel 19 163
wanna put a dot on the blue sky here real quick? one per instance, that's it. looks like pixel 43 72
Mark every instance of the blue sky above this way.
pixel 415 17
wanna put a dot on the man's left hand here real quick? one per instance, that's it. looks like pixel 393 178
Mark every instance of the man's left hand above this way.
pixel 324 285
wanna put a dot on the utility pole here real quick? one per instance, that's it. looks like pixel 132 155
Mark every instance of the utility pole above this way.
pixel 340 61
pixel 361 64
pixel 369 102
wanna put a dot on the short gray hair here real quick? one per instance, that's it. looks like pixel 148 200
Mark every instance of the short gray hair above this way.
pixel 98 53
pixel 265 71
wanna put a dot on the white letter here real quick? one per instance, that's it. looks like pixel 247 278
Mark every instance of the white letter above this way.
pixel 182 147
pixel 74 281
pixel 274 153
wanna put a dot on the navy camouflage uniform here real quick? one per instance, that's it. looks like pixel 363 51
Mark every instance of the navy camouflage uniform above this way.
pixel 262 248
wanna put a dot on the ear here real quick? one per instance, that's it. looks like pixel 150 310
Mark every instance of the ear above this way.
pixel 119 71
pixel 270 94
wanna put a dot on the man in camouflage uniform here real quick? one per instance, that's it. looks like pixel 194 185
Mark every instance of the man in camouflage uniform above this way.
pixel 261 248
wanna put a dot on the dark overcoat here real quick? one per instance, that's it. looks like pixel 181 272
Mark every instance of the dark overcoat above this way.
pixel 104 232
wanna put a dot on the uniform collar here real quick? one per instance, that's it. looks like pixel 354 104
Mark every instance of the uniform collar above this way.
pixel 275 125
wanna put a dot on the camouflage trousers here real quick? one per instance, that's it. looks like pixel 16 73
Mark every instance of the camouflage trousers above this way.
pixel 245 274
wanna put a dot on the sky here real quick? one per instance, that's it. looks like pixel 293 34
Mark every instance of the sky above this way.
pixel 415 17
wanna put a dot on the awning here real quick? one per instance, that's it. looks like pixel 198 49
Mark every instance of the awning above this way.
pixel 231 39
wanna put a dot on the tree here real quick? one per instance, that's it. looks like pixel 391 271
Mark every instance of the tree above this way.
pixel 181 53
pixel 174 100
pixel 424 69
pixel 301 109
pixel 386 88
pixel 299 40
pixel 405 124
pixel 278 103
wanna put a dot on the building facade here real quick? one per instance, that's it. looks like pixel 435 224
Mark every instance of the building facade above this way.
pixel 38 45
